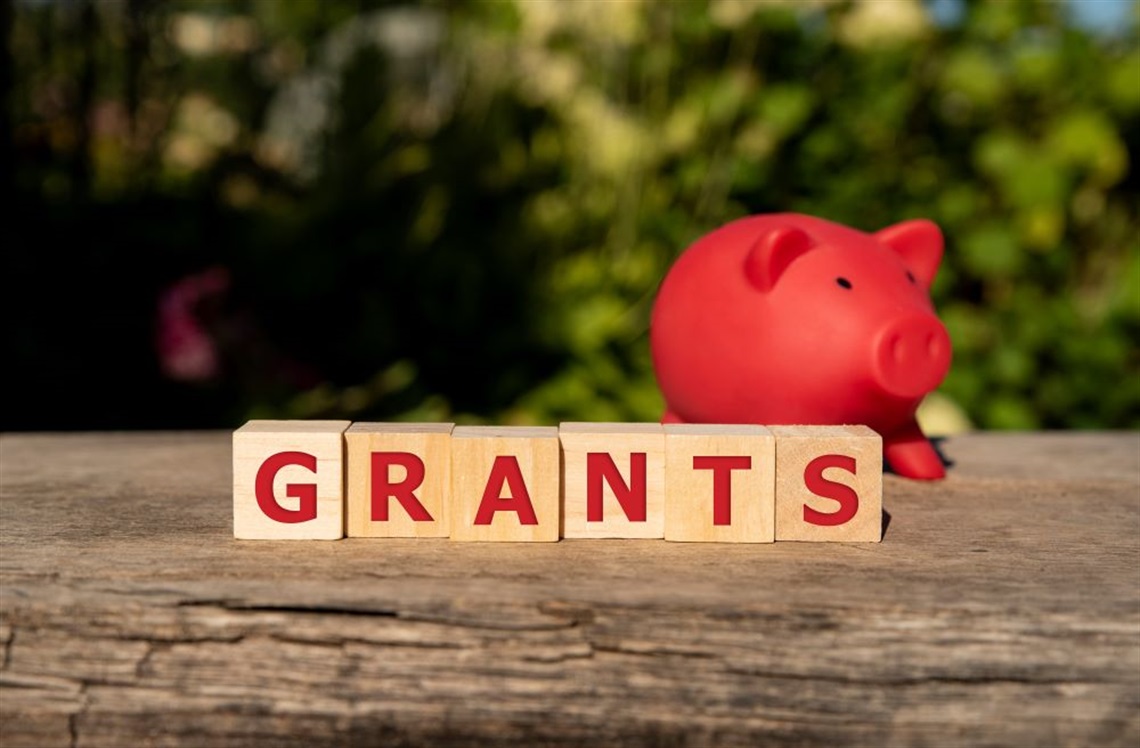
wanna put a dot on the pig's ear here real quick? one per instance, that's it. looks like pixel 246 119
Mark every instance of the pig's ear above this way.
pixel 918 243
pixel 772 253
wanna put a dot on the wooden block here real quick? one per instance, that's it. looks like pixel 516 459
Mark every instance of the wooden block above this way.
pixel 289 480
pixel 720 483
pixel 505 483
pixel 829 483
pixel 614 480
pixel 398 478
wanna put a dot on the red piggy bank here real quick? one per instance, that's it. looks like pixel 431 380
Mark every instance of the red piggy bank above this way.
pixel 789 319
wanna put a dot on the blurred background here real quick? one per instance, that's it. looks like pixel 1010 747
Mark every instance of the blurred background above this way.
pixel 456 210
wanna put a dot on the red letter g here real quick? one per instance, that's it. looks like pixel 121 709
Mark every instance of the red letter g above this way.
pixel 305 493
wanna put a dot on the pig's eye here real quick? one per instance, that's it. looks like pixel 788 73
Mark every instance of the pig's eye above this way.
pixel 910 277
pixel 843 282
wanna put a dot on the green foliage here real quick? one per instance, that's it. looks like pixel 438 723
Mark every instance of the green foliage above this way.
pixel 442 211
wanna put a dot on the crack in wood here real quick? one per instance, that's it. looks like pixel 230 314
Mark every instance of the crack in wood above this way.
pixel 8 648
pixel 963 680
pixel 74 717
pixel 321 609
pixel 11 680
pixel 144 661
pixel 341 642
pixel 363 612
pixel 653 650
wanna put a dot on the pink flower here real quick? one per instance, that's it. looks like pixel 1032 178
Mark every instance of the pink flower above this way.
pixel 186 351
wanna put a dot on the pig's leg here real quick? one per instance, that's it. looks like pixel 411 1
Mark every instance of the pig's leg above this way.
pixel 671 417
pixel 910 454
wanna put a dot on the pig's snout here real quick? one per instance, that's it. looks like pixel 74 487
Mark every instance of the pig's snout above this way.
pixel 911 355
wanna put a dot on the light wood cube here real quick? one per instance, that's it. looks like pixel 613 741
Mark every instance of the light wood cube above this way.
pixel 398 477
pixel 505 483
pixel 720 483
pixel 614 480
pixel 289 480
pixel 829 483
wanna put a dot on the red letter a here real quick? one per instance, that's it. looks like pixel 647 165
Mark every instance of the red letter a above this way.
pixel 505 470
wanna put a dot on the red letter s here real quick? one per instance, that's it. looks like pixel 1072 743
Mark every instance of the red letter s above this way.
pixel 820 486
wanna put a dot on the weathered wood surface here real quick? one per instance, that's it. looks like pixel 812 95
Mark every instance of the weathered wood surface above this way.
pixel 1001 609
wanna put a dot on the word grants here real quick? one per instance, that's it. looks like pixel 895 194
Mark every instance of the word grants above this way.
pixel 720 483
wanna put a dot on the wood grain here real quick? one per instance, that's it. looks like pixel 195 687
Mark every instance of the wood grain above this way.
pixel 796 448
pixel 750 491
pixel 322 442
pixel 430 443
pixel 619 441
pixel 533 460
pixel 1001 609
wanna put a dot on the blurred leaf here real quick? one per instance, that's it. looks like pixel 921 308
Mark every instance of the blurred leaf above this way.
pixel 1088 139
pixel 1123 82
pixel 991 251
pixel 975 75
pixel 785 107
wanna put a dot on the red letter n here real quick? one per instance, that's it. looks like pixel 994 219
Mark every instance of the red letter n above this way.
pixel 600 466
